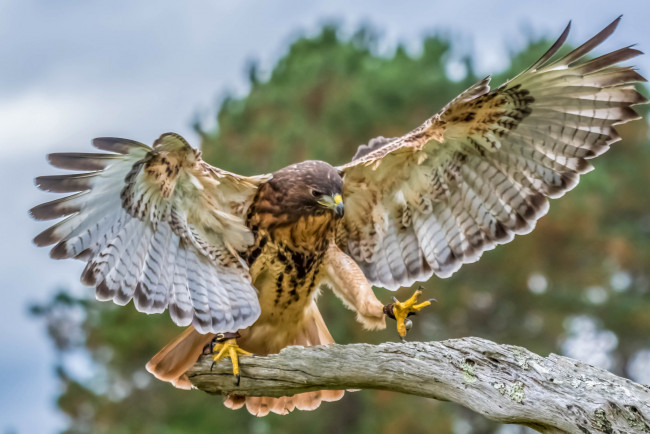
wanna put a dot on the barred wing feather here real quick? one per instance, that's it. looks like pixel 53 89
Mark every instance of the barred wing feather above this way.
pixel 157 226
pixel 480 171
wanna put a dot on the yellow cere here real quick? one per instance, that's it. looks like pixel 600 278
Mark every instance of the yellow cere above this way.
pixel 338 199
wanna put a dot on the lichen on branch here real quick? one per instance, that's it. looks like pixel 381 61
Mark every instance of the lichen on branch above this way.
pixel 504 383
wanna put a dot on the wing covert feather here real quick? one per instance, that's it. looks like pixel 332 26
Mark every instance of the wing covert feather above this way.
pixel 480 171
pixel 157 226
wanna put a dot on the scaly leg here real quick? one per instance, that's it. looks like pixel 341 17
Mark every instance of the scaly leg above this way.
pixel 399 311
pixel 225 345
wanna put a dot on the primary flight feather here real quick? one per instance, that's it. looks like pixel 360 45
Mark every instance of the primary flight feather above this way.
pixel 241 258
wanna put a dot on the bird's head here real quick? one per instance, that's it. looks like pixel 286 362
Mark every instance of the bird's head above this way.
pixel 309 188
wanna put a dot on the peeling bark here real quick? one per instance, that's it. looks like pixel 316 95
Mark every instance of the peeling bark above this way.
pixel 504 383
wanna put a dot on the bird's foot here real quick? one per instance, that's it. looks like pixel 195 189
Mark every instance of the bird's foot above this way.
pixel 225 345
pixel 399 311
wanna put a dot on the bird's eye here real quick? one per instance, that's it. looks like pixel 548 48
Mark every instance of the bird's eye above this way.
pixel 316 193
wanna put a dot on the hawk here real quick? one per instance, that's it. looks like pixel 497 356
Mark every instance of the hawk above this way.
pixel 240 260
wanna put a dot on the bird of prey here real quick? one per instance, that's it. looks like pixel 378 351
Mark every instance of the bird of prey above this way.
pixel 240 260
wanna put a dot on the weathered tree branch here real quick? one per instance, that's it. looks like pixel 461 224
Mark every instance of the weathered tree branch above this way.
pixel 502 382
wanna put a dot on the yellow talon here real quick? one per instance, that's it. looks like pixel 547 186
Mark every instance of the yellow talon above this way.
pixel 401 310
pixel 229 348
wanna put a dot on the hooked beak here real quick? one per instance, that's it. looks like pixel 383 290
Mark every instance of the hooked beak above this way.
pixel 339 208
pixel 334 203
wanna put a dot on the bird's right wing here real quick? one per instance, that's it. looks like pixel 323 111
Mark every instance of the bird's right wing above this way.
pixel 156 225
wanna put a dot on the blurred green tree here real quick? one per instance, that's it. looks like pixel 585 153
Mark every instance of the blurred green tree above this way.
pixel 581 275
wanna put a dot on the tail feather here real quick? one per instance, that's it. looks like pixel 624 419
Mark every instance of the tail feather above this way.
pixel 314 333
pixel 263 405
pixel 177 357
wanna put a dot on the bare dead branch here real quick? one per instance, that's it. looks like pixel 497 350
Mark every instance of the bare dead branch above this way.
pixel 504 383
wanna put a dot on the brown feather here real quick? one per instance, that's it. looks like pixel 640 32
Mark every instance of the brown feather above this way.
pixel 553 49
pixel 57 208
pixel 65 183
pixel 81 161
pixel 590 44
pixel 171 363
pixel 117 145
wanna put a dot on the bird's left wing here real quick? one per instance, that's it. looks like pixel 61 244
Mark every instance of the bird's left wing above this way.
pixel 480 171
pixel 156 225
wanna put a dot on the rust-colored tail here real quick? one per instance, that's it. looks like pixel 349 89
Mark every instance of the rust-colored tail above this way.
pixel 171 363
pixel 314 332
pixel 263 405
pixel 178 356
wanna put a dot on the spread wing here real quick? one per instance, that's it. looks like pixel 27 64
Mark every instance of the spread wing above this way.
pixel 480 171
pixel 156 225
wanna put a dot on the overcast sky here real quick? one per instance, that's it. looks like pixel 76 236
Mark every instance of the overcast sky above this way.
pixel 74 70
